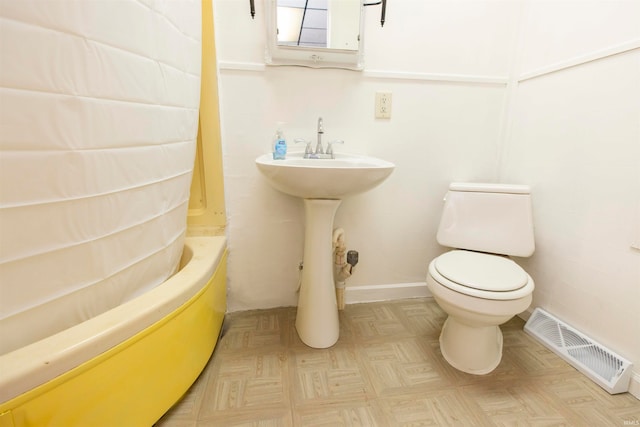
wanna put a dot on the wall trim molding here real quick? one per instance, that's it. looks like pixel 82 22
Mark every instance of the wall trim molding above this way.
pixel 385 74
pixel 444 77
pixel 241 66
pixel 373 293
pixel 581 60
pixel 465 78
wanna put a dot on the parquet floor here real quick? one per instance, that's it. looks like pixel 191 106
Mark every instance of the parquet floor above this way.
pixel 386 370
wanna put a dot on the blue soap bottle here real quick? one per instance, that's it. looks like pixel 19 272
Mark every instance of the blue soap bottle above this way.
pixel 279 146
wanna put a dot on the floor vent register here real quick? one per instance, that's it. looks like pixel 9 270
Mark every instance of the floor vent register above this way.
pixel 603 366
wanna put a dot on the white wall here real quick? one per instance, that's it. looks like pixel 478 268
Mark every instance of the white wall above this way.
pixel 575 137
pixel 441 130
pixel 468 104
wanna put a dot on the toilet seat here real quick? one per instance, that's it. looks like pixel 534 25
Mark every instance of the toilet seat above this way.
pixel 481 275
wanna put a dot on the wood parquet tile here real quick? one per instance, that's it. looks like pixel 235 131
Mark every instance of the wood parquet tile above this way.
pixel 385 370
pixel 333 375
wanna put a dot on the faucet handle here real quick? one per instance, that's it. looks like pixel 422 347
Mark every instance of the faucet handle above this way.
pixel 330 146
pixel 307 149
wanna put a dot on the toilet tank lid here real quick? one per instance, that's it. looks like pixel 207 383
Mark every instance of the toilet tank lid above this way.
pixel 490 187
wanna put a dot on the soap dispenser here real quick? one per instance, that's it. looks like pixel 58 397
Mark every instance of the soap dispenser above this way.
pixel 279 146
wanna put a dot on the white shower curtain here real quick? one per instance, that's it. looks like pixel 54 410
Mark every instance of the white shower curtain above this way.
pixel 98 120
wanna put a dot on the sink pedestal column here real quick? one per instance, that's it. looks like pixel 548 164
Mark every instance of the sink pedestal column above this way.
pixel 317 315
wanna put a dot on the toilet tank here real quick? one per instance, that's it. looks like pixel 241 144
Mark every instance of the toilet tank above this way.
pixel 493 218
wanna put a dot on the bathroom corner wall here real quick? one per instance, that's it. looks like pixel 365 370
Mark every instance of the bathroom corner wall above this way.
pixel 574 136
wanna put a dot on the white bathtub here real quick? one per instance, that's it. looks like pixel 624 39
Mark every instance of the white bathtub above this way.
pixel 126 366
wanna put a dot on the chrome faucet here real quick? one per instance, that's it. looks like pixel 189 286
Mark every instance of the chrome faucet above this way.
pixel 319 149
pixel 319 153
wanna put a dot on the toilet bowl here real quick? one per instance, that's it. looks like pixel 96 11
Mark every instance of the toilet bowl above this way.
pixel 476 283
pixel 479 292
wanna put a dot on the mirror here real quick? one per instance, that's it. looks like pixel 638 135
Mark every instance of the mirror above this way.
pixel 333 24
pixel 315 33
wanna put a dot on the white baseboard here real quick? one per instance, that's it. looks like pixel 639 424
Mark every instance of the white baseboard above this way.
pixel 375 293
pixel 634 386
pixel 361 294
pixel 526 314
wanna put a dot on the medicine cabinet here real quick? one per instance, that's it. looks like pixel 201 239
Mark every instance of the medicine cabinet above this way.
pixel 315 33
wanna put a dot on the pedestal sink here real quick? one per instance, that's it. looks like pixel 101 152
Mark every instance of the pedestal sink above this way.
pixel 322 183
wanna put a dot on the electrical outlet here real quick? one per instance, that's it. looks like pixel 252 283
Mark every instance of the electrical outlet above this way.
pixel 383 105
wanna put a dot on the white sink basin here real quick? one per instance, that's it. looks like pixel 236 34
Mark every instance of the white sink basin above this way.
pixel 322 183
pixel 337 178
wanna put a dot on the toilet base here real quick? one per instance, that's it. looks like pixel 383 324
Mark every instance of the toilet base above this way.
pixel 472 349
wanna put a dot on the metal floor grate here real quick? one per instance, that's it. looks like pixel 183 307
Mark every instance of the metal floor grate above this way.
pixel 607 369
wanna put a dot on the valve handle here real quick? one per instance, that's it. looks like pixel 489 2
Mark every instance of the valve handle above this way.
pixel 330 145
pixel 307 149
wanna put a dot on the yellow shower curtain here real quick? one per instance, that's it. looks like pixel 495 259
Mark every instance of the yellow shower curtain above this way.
pixel 206 204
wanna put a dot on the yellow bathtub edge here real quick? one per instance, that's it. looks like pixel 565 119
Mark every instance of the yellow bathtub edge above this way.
pixel 135 382
pixel 33 365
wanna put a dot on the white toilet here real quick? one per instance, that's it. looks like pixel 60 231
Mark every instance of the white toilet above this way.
pixel 476 284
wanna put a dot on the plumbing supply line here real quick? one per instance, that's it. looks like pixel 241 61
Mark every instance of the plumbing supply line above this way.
pixel 342 270
pixel 300 267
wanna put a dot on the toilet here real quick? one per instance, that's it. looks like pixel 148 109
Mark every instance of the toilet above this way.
pixel 476 283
